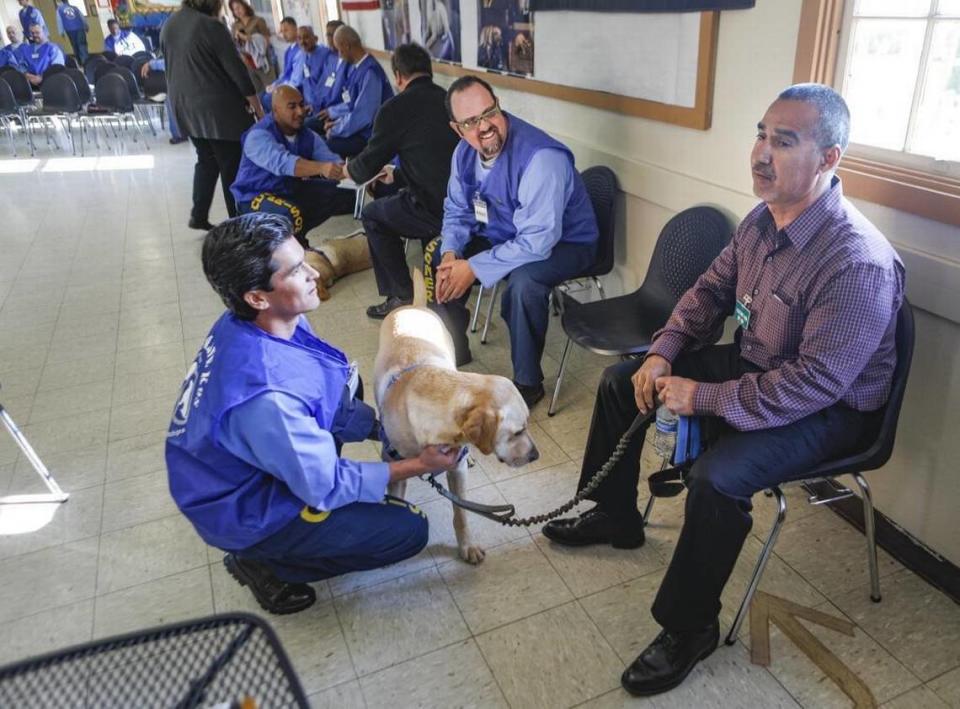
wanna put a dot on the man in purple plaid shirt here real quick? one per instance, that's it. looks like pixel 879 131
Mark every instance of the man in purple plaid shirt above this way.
pixel 815 289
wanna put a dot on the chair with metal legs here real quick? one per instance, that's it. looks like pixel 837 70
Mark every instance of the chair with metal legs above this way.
pixel 873 456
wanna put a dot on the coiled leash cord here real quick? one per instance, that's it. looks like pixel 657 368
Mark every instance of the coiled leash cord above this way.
pixel 504 514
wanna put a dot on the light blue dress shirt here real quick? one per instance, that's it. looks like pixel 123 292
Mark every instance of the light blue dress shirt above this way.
pixel 275 432
pixel 365 105
pixel 264 151
pixel 545 188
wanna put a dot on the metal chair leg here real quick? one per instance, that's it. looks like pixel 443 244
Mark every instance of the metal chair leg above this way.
pixel 486 325
pixel 599 285
pixel 556 389
pixel 476 310
pixel 869 527
pixel 761 565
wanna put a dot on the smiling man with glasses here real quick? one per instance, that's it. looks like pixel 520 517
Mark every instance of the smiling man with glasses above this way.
pixel 516 210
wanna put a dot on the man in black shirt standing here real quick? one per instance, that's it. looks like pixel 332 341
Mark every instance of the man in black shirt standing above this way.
pixel 413 126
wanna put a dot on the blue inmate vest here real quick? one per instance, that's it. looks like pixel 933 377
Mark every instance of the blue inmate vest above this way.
pixel 253 179
pixel 292 58
pixel 37 58
pixel 312 69
pixel 501 187
pixel 232 504
pixel 355 78
pixel 70 17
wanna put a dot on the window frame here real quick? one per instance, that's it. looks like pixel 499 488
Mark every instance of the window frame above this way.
pixel 866 175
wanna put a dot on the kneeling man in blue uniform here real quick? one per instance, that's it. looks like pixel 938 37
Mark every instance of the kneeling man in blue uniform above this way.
pixel 279 157
pixel 253 448
pixel 516 210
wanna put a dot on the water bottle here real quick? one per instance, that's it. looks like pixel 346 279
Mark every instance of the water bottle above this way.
pixel 665 434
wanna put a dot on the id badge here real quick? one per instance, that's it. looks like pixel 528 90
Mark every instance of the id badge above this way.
pixel 353 379
pixel 345 96
pixel 306 71
pixel 480 209
pixel 741 312
pixel 330 79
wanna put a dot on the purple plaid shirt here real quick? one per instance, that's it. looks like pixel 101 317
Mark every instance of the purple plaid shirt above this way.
pixel 824 293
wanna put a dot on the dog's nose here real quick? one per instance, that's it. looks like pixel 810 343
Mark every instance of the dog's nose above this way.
pixel 534 454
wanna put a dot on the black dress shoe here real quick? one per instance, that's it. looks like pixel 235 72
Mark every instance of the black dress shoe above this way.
pixel 669 659
pixel 382 310
pixel 273 595
pixel 596 527
pixel 531 393
pixel 197 224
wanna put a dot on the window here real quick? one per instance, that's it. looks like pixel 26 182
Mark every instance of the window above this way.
pixel 897 62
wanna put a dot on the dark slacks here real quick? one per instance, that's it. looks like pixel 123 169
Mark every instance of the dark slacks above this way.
pixel 524 304
pixel 735 466
pixel 310 204
pixel 387 222
pixel 78 40
pixel 356 537
pixel 215 158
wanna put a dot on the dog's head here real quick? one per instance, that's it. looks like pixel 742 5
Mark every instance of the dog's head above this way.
pixel 496 423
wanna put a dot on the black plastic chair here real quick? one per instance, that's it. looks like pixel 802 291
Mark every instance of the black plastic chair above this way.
pixel 53 69
pixel 62 100
pixel 23 94
pixel 124 60
pixel 601 186
pixel 874 454
pixel 101 69
pixel 80 81
pixel 70 62
pixel 109 56
pixel 624 325
pixel 8 111
pixel 143 55
pixel 113 95
pixel 128 76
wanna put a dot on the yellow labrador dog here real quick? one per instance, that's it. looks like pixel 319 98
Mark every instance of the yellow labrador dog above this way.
pixel 424 400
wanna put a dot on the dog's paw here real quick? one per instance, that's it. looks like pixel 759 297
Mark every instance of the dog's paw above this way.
pixel 472 554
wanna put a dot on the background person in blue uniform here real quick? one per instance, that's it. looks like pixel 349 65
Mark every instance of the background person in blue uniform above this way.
pixel 253 448
pixel 122 42
pixel 30 16
pixel 349 123
pixel 279 154
pixel 329 83
pixel 38 55
pixel 292 73
pixel 516 210
pixel 313 57
pixel 72 24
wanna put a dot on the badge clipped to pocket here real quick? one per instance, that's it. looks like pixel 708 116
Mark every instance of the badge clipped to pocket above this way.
pixel 306 71
pixel 353 379
pixel 345 96
pixel 330 79
pixel 741 312
pixel 480 209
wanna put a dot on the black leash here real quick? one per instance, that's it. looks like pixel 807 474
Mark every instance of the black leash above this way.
pixel 504 514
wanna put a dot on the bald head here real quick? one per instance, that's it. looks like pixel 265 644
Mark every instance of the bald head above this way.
pixel 13 34
pixel 348 44
pixel 289 111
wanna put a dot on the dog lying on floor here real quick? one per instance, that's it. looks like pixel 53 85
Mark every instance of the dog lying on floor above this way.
pixel 336 258
pixel 423 400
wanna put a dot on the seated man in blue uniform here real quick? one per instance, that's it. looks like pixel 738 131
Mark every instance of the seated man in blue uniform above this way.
pixel 279 158
pixel 122 42
pixel 349 123
pixel 39 55
pixel 292 73
pixel 328 84
pixel 253 448
pixel 8 54
pixel 516 210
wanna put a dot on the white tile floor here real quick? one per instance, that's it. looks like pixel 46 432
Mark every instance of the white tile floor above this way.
pixel 102 302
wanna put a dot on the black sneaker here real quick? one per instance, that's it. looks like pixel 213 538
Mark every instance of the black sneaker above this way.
pixel 531 393
pixel 382 310
pixel 273 595
pixel 197 224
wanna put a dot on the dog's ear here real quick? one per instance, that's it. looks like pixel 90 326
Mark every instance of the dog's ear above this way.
pixel 479 426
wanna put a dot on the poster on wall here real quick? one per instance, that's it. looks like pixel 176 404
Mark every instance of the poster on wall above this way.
pixel 440 28
pixel 505 41
pixel 396 23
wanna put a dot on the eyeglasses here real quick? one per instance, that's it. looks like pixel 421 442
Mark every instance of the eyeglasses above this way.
pixel 471 124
